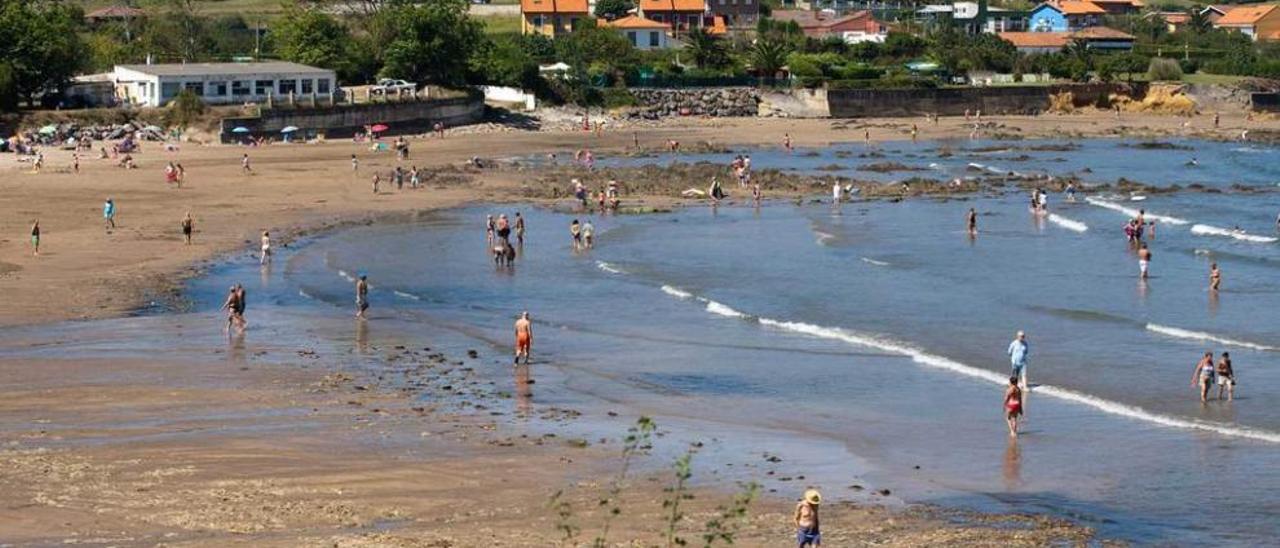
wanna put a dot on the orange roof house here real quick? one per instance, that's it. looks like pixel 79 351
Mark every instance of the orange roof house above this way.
pixel 114 13
pixel 641 32
pixel 680 14
pixel 1119 7
pixel 551 17
pixel 1259 22
pixel 1080 7
pixel 1094 38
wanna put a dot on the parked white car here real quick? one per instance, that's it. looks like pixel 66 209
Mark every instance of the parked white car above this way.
pixel 395 87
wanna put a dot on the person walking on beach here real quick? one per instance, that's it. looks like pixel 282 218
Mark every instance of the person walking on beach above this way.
pixel 808 530
pixel 1144 260
pixel 1215 277
pixel 524 338
pixel 266 248
pixel 1226 377
pixel 519 229
pixel 188 224
pixel 575 230
pixel 972 220
pixel 1018 352
pixel 109 214
pixel 1203 374
pixel 1013 405
pixel 35 238
pixel 786 142
pixel 376 180
pixel 244 164
pixel 235 305
pixel 362 296
pixel 355 163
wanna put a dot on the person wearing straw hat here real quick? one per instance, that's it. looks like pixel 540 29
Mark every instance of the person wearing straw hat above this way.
pixel 806 518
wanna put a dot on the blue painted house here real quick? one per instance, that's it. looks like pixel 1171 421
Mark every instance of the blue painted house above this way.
pixel 1065 16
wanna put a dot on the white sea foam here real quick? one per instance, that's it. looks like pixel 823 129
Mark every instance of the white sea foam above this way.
pixel 939 362
pixel 409 296
pixel 1137 198
pixel 676 292
pixel 824 237
pixel 1130 212
pixel 608 268
pixel 722 310
pixel 1210 230
pixel 346 276
pixel 305 295
pixel 1069 224
pixel 874 262
pixel 1201 336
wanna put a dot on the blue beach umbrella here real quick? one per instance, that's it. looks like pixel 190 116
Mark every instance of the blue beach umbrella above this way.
pixel 240 129
pixel 289 129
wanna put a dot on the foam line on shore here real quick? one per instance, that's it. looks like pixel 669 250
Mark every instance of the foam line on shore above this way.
pixel 679 294
pixel 1069 224
pixel 723 310
pixel 947 364
pixel 1210 230
pixel 1180 333
pixel 874 262
pixel 409 296
pixel 1131 213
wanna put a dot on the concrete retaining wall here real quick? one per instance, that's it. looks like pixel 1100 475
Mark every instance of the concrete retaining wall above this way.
pixel 342 121
pixel 864 103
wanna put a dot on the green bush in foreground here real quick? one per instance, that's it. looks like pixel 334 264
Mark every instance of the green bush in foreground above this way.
pixel 1164 70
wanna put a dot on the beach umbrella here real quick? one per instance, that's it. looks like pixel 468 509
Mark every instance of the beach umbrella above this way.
pixel 289 129
pixel 49 129
pixel 379 128
pixel 240 129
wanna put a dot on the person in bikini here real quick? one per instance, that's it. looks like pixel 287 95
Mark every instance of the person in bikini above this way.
pixel 1226 377
pixel 519 229
pixel 188 224
pixel 972 220
pixel 524 338
pixel 1215 277
pixel 266 248
pixel 575 230
pixel 1203 374
pixel 490 229
pixel 1013 405
pixel 231 305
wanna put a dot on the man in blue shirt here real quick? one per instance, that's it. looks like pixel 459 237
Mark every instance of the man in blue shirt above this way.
pixel 1018 351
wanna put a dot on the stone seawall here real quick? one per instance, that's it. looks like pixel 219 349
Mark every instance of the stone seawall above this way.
pixel 342 121
pixel 698 101
pixel 866 103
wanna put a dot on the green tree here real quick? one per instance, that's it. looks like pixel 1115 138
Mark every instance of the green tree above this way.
pixel 506 62
pixel 433 42
pixel 8 88
pixel 315 38
pixel 768 56
pixel 613 9
pixel 707 50
pixel 1196 21
pixel 41 45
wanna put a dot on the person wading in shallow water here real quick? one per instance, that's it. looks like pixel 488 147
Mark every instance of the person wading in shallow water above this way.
pixel 808 532
pixel 1202 375
pixel 1013 405
pixel 524 338
pixel 362 296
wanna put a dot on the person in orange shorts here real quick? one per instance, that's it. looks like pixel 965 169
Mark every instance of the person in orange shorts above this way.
pixel 524 337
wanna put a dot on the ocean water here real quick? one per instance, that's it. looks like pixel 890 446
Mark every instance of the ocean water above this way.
pixel 881 328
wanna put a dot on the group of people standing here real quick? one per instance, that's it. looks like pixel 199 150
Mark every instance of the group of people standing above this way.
pixel 498 235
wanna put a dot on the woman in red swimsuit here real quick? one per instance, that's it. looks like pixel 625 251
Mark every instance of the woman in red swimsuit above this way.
pixel 1012 405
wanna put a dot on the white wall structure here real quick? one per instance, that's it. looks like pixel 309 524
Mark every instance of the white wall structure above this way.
pixel 220 83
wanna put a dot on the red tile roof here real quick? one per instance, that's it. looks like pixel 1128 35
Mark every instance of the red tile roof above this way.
pixel 1079 7
pixel 673 5
pixel 1245 16
pixel 554 6
pixel 1101 33
pixel 634 22
pixel 1036 39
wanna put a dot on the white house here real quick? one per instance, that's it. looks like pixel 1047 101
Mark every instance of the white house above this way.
pixel 220 83
pixel 641 32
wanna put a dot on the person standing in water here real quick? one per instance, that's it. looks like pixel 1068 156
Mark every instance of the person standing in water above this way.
pixel 786 142
pixel 35 238
pixel 1144 260
pixel 503 228
pixel 972 220
pixel 575 230
pixel 588 234
pixel 266 248
pixel 808 526
pixel 188 224
pixel 1202 375
pixel 1215 277
pixel 109 214
pixel 362 296
pixel 519 229
pixel 490 229
pixel 1226 377
pixel 1013 405
pixel 524 338
pixel 1018 352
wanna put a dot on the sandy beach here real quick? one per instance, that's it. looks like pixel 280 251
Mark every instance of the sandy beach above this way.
pixel 278 447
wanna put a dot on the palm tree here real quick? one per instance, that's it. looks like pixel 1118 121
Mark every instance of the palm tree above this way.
pixel 768 56
pixel 706 49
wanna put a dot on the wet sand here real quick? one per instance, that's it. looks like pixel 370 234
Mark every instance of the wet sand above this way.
pixel 195 449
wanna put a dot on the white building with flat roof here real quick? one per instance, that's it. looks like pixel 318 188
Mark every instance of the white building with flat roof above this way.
pixel 220 83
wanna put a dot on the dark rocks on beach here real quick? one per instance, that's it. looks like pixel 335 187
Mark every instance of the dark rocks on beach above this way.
pixel 1159 145
pixel 886 167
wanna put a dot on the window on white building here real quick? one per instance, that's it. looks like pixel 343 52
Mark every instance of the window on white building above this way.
pixel 322 85
pixel 194 87
pixel 308 86
pixel 286 87
pixel 169 89
pixel 240 87
pixel 653 38
pixel 263 87
pixel 216 89
pixel 631 37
